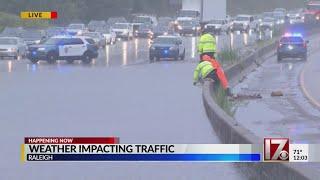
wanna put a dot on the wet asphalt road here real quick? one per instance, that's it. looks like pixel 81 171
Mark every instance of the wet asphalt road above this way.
pixel 125 53
pixel 119 94
pixel 309 79
pixel 289 116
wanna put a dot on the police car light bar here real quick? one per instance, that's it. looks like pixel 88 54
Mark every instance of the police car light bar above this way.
pixel 292 35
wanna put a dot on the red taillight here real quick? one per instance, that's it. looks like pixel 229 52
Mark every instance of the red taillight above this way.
pixel 305 45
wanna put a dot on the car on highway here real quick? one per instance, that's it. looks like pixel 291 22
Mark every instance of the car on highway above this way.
pixel 110 36
pixel 281 10
pixel 188 26
pixel 267 14
pixel 144 31
pixel 69 48
pixel 145 19
pixel 244 23
pixel 295 18
pixel 113 20
pixel 76 29
pixel 160 30
pixel 279 17
pixel 195 14
pixel 33 36
pixel 98 38
pixel 218 26
pixel 123 30
pixel 167 47
pixel 95 25
pixel 292 46
pixel 13 47
pixel 267 23
pixel 165 20
pixel 55 31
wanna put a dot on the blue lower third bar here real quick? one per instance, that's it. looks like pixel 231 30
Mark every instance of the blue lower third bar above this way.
pixel 149 157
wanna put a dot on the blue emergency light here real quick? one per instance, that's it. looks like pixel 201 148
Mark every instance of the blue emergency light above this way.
pixel 293 35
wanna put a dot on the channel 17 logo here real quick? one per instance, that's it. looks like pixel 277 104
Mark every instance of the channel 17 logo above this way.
pixel 276 149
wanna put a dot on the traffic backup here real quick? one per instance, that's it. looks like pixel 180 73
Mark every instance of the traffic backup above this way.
pixel 64 48
pixel 292 46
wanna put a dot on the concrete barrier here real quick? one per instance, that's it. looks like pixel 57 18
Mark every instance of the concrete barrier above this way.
pixel 231 132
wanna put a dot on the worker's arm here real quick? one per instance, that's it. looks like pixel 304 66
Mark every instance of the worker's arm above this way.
pixel 196 74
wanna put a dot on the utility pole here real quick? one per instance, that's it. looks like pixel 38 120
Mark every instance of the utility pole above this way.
pixel 201 10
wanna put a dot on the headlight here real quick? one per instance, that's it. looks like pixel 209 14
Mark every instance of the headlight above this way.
pixel 37 41
pixel 41 49
pixel 165 33
pixel 179 27
pixel 194 28
pixel 12 49
pixel 302 17
pixel 317 17
pixel 198 28
pixel 172 48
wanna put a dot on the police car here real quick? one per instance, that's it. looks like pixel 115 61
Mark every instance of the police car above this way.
pixel 67 48
pixel 292 46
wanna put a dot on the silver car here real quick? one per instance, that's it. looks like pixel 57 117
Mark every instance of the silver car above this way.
pixel 12 47
pixel 98 38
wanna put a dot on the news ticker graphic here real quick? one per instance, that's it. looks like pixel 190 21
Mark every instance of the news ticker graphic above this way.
pixel 109 149
pixel 38 15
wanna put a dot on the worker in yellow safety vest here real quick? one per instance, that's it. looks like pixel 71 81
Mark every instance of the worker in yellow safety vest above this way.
pixel 207 44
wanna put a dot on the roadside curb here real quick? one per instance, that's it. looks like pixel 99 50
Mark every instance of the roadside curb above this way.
pixel 304 89
pixel 231 132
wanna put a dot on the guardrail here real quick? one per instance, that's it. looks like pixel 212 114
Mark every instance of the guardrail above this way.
pixel 231 132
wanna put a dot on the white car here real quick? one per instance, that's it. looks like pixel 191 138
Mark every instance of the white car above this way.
pixel 12 47
pixel 244 23
pixel 145 19
pixel 76 29
pixel 279 17
pixel 295 18
pixel 111 37
pixel 218 26
pixel 267 23
pixel 123 30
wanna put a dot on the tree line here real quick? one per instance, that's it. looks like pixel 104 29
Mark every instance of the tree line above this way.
pixel 86 10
